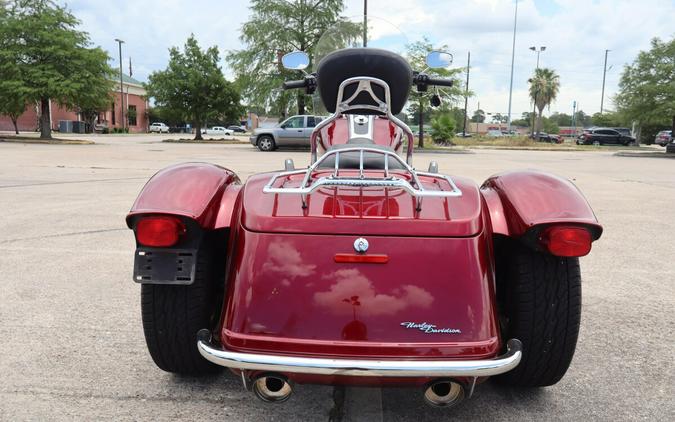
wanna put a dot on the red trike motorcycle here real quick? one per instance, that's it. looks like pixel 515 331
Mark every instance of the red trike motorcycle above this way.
pixel 361 269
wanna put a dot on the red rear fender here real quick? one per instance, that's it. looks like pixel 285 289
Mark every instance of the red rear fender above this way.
pixel 203 192
pixel 523 203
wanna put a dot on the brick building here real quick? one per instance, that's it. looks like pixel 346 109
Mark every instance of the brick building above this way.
pixel 134 99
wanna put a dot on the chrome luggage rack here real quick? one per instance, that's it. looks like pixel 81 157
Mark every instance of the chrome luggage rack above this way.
pixel 389 180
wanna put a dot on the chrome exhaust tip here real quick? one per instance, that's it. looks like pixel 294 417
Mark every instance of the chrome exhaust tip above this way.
pixel 444 393
pixel 272 388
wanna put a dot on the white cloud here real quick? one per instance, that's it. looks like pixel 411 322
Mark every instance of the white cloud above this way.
pixel 150 27
pixel 575 32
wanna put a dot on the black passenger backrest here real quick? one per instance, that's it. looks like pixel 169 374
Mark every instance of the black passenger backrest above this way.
pixel 352 62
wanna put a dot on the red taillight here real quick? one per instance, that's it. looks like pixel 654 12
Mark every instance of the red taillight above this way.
pixel 567 240
pixel 348 258
pixel 159 231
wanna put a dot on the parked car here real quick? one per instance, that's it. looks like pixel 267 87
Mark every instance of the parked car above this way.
pixel 623 130
pixel 294 131
pixel 101 127
pixel 463 135
pixel 604 136
pixel 494 133
pixel 237 129
pixel 670 147
pixel 159 127
pixel 547 137
pixel 361 269
pixel 663 137
pixel 217 131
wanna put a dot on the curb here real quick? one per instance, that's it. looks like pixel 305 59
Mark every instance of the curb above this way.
pixel 654 154
pixel 214 141
pixel 47 141
pixel 443 151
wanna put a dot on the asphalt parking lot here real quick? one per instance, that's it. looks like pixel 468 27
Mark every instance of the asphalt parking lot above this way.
pixel 72 344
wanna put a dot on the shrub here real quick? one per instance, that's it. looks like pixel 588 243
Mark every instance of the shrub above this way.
pixel 443 129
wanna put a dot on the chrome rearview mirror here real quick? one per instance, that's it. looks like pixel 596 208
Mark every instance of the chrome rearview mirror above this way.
pixel 295 60
pixel 439 59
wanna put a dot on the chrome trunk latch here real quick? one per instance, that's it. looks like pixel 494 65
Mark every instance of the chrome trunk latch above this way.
pixel 361 245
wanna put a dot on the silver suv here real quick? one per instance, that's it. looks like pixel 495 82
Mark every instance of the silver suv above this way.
pixel 294 131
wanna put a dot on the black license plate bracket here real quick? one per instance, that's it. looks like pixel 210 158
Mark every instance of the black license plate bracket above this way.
pixel 158 266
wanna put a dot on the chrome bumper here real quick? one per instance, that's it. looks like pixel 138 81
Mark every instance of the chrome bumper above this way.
pixel 361 367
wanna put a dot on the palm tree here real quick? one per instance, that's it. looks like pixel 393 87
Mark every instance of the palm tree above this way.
pixel 544 87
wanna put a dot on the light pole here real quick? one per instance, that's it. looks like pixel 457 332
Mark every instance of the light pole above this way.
pixel 542 48
pixel 120 42
pixel 466 92
pixel 534 107
pixel 604 73
pixel 365 23
pixel 513 55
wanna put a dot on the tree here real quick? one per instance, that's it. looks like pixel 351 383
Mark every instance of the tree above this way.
pixel 277 27
pixel 12 106
pixel 607 119
pixel 165 115
pixel 499 118
pixel 456 113
pixel 549 125
pixel 582 119
pixel 544 87
pixel 99 94
pixel 524 121
pixel 417 115
pixel 193 87
pixel 416 54
pixel 646 89
pixel 12 93
pixel 13 96
pixel 478 116
pixel 54 60
pixel 561 119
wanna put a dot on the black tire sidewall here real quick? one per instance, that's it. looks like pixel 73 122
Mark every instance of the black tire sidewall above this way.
pixel 541 304
pixel 172 315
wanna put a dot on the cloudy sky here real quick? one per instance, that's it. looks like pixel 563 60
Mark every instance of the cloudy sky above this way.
pixel 576 34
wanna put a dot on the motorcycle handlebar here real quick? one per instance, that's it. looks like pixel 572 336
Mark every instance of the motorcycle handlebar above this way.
pixel 295 84
pixel 422 80
pixel 440 82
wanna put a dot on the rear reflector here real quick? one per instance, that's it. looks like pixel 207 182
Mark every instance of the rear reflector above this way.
pixel 350 258
pixel 567 240
pixel 159 231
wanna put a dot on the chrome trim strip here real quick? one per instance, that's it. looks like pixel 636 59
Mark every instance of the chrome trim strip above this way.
pixel 361 367
pixel 388 181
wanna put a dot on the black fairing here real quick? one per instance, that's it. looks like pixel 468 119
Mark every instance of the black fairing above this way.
pixel 352 62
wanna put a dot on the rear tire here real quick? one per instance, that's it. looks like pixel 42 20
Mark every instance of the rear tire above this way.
pixel 540 303
pixel 172 316
pixel 266 143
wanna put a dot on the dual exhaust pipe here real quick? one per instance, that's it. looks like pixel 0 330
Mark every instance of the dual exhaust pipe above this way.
pixel 444 393
pixel 272 388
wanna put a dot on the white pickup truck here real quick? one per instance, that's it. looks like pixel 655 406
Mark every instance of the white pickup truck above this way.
pixel 217 131
pixel 159 128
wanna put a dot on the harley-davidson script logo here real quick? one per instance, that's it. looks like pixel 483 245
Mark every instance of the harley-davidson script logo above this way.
pixel 430 328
